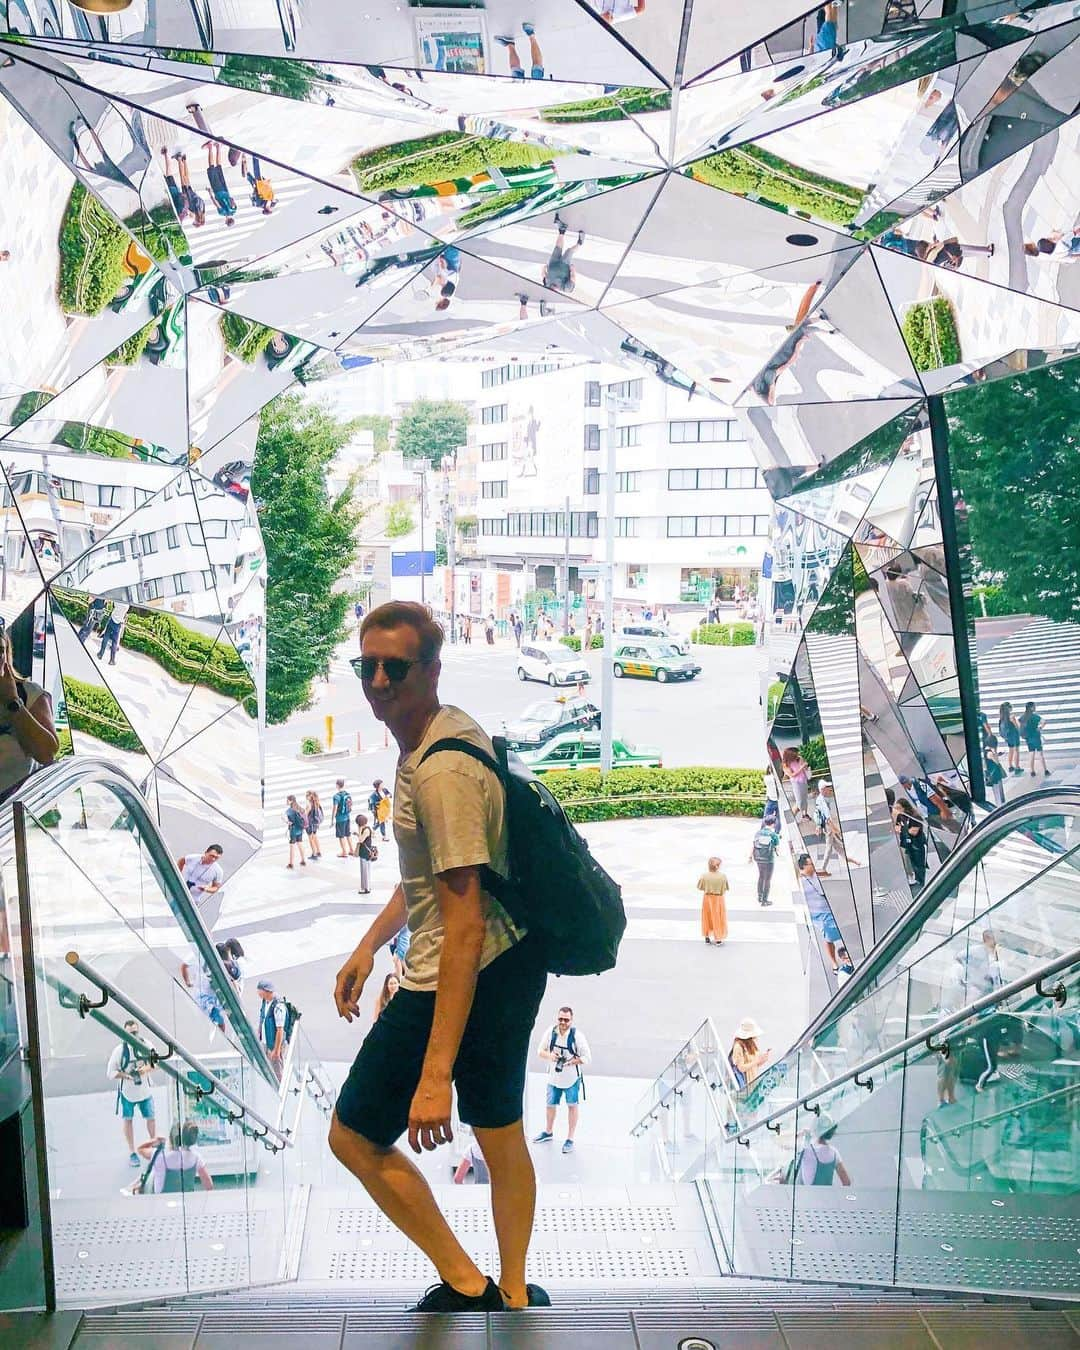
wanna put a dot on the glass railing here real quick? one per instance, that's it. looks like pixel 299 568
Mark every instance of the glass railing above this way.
pixel 689 1110
pixel 925 1168
pixel 190 1173
pixel 1004 903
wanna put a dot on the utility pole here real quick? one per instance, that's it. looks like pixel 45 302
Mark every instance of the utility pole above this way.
pixel 425 464
pixel 450 531
pixel 615 404
pixel 566 569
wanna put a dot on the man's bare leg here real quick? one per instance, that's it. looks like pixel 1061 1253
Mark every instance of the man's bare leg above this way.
pixel 403 1195
pixel 513 1204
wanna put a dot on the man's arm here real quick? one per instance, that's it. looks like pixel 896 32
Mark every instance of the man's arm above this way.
pixel 354 973
pixel 584 1054
pixel 461 908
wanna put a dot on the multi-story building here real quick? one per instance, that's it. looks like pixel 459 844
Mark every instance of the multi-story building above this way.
pixel 691 509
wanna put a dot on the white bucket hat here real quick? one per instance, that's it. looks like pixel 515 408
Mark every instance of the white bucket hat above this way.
pixel 748 1030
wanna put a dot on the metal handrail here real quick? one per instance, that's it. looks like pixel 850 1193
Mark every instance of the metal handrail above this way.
pixel 217 1087
pixel 983 1121
pixel 688 1074
pixel 1002 821
pixel 68 998
pixel 927 1038
pixel 40 792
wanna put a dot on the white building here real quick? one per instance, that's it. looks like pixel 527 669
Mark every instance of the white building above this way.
pixel 691 508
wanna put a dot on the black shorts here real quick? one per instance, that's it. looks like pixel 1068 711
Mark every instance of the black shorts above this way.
pixel 489 1072
pixel 343 828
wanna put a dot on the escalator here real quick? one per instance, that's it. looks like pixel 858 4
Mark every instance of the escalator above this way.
pixel 925 1129
pixel 105 952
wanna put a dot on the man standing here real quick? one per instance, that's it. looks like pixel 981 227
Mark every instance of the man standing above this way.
pixel 817 903
pixel 343 819
pixel 379 806
pixel 763 853
pixel 114 630
pixel 273 1028
pixel 203 876
pixel 469 995
pixel 133 1091
pixel 567 1051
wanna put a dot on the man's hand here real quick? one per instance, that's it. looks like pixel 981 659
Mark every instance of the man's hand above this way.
pixel 429 1114
pixel 350 983
pixel 274 1055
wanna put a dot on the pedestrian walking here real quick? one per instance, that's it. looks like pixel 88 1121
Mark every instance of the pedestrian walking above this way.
pixel 204 875
pixel 277 1017
pixel 134 1090
pixel 566 1051
pixel 468 1001
pixel 262 190
pixel 197 117
pixel 232 956
pixel 1031 728
pixel 95 613
pixel 195 204
pixel 467 631
pixel 819 1162
pixel 817 904
pixel 797 772
pixel 195 977
pixel 828 820
pixel 379 806
pixel 219 188
pixel 176 196
pixel 1009 730
pixel 489 630
pixel 911 835
pixel 114 630
pixel 746 1057
pixel 714 884
pixel 519 629
pixel 314 820
pixel 342 805
pixel 176 1164
pixel 365 851
pixel 763 854
pixel 993 773
pixel 296 824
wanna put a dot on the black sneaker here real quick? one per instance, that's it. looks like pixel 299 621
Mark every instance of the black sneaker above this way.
pixel 444 1298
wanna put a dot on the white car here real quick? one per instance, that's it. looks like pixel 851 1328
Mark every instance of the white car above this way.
pixel 552 663
pixel 653 633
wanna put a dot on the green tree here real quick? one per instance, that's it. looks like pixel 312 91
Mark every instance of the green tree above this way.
pixel 399 520
pixel 430 429
pixel 1013 448
pixel 310 543
pixel 379 425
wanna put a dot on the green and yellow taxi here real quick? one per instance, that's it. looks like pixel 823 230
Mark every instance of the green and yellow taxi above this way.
pixel 581 750
pixel 653 661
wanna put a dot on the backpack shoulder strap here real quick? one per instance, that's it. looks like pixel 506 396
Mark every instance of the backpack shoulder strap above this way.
pixel 571 1042
pixel 466 748
pixel 554 1038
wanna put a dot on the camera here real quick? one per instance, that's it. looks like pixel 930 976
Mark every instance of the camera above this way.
pixel 562 1059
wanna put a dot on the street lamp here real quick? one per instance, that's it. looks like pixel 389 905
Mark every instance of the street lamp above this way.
pixel 615 403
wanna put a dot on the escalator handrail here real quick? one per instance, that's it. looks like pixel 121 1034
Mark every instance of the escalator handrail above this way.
pixel 217 1087
pixel 1002 821
pixel 926 1038
pixel 41 790
pixel 1026 1105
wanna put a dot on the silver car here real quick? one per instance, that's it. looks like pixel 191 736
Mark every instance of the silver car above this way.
pixel 552 663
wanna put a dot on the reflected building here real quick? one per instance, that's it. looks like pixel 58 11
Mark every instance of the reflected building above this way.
pixel 862 243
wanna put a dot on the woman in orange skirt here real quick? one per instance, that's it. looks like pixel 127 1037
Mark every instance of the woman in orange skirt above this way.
pixel 713 906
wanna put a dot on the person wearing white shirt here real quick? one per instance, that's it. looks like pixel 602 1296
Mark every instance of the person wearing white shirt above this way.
pixel 566 1051
pixel 134 1090
pixel 203 876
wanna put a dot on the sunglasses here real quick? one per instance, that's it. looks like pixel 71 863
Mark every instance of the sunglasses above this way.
pixel 395 667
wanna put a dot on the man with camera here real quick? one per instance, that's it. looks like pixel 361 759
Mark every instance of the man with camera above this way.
pixel 134 1092
pixel 567 1051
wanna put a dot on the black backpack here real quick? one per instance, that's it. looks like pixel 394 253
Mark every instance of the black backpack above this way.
pixel 292 1015
pixel 556 888
pixel 764 846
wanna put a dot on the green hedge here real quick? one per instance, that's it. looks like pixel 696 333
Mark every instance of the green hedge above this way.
pixel 92 248
pixel 494 205
pixel 92 709
pixel 610 107
pixel 572 641
pixel 435 159
pixel 158 231
pixel 929 329
pixel 28 404
pixel 85 439
pixel 998 603
pixel 815 754
pixel 750 171
pixel 723 635
pixel 128 353
pixel 626 794
pixel 245 338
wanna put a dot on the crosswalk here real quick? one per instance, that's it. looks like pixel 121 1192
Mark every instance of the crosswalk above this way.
pixel 1039 662
pixel 284 774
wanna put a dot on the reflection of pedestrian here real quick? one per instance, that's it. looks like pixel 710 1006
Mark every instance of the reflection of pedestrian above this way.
pixel 536 57
pixel 134 1093
pixel 1031 725
pixel 714 885
pixel 819 1162
pixel 195 204
pixel 911 835
pixel 824 39
pixel 1009 728
pixel 197 117
pixel 262 191
pixel 797 772
pixel 176 196
pixel 820 910
pixel 828 818
pixel 94 612
pixel 558 273
pixel 219 189
pixel 114 628
pixel 993 773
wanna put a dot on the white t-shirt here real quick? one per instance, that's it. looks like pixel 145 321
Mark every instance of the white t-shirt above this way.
pixel 133 1092
pixel 198 875
pixel 174 1160
pixel 449 812
pixel 569 1073
pixel 15 763
pixel 119 611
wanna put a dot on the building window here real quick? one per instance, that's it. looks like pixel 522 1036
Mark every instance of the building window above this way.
pixel 151 588
pixel 592 393
pixel 681 480
pixel 108 494
pixel 679 527
pixel 115 552
pixel 495 450
pixel 141 495
pixel 215 529
pixel 147 543
pixel 592 436
pixel 68 489
pixel 592 482
pixel 488 525
pixel 628 482
pixel 625 436
pixel 682 433
pixel 626 527
pixel 172 537
pixel 494 412
pixel 496 488
pixel 179 583
pixel 631 389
